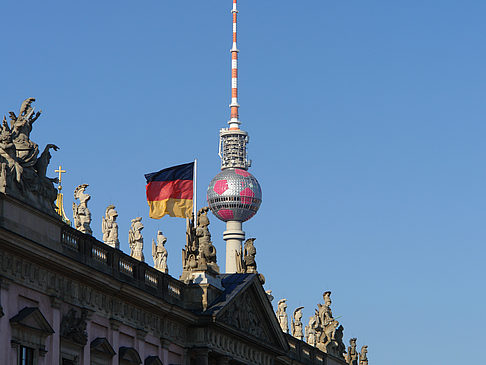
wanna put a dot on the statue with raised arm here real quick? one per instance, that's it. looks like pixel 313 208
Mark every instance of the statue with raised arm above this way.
pixel 23 174
pixel 282 315
pixel 81 213
pixel 296 324
pixel 159 253
pixel 135 239
pixel 10 168
pixel 109 227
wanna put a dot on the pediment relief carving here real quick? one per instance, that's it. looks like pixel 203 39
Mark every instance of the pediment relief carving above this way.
pixel 244 314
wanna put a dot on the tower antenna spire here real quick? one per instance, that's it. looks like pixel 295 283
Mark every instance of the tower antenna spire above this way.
pixel 235 118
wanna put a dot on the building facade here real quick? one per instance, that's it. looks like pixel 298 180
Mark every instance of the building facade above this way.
pixel 67 298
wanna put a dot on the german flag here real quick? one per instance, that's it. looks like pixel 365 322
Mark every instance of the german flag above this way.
pixel 170 191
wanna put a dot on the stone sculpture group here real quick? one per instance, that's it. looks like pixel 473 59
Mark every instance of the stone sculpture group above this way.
pixel 199 254
pixel 323 331
pixel 22 170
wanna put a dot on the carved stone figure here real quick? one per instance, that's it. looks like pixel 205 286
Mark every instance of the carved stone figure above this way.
pixel 159 253
pixel 329 333
pixel 249 253
pixel 109 227
pixel 352 355
pixel 296 324
pixel 311 329
pixel 135 239
pixel 23 174
pixel 282 315
pixel 363 357
pixel 73 327
pixel 81 213
pixel 199 254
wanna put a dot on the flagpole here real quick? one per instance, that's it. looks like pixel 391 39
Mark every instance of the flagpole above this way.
pixel 194 197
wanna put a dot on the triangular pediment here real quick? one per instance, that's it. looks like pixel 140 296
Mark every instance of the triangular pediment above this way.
pixel 130 355
pixel 32 318
pixel 245 307
pixel 102 346
pixel 152 360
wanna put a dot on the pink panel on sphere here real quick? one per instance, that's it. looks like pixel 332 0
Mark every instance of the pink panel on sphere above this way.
pixel 220 186
pixel 226 214
pixel 242 172
pixel 247 195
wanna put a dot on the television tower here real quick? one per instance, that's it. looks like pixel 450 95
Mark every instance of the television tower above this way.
pixel 234 195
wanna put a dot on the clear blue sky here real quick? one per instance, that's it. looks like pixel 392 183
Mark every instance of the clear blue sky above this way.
pixel 367 125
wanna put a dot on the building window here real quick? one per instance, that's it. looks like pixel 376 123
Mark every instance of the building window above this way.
pixel 67 362
pixel 25 356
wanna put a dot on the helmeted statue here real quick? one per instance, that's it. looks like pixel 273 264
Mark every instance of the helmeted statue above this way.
pixel 363 357
pixel 23 174
pixel 352 355
pixel 296 324
pixel 329 332
pixel 311 329
pixel 282 315
pixel 135 239
pixel 159 253
pixel 81 213
pixel 109 227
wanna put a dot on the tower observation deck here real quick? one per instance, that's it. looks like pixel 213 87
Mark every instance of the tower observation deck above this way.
pixel 234 195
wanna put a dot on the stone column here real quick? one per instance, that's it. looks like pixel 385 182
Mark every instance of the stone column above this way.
pixel 234 237
pixel 202 356
pixel 5 347
pixel 114 339
pixel 87 348
pixel 56 325
pixel 140 342
pixel 164 345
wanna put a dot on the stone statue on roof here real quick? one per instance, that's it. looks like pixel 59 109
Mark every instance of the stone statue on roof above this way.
pixel 311 329
pixel 363 356
pixel 282 315
pixel 159 253
pixel 23 173
pixel 296 324
pixel 81 213
pixel 109 227
pixel 329 332
pixel 135 239
pixel 249 253
pixel 199 254
pixel 352 355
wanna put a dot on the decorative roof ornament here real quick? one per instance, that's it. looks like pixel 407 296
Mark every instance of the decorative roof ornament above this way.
pixel 60 198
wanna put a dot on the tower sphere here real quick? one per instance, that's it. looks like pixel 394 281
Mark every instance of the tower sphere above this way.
pixel 234 195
